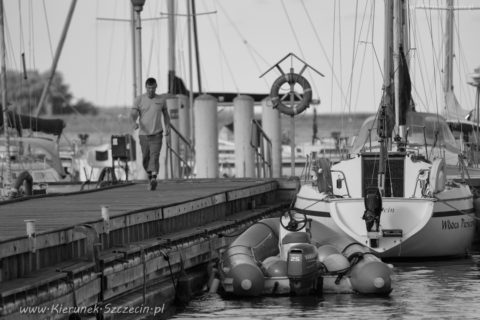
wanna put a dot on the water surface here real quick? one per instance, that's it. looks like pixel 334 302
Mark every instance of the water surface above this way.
pixel 448 289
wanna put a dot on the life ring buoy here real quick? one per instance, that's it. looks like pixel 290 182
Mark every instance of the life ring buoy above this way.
pixel 291 78
pixel 437 176
pixel 24 180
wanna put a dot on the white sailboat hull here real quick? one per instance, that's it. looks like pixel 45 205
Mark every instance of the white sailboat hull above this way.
pixel 409 227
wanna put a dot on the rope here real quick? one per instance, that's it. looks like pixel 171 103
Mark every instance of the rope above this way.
pixel 9 45
pixel 22 45
pixel 48 28
pixel 466 68
pixel 32 36
pixel 370 21
pixel 461 211
pixel 222 54
pixel 297 41
pixel 110 53
pixel 420 62
pixel 251 50
pixel 354 55
pixel 333 49
pixel 435 62
pixel 220 49
pixel 167 258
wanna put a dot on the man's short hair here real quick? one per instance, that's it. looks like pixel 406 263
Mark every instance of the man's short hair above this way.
pixel 151 82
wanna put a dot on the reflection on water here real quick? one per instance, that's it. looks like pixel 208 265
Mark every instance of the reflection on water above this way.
pixel 422 290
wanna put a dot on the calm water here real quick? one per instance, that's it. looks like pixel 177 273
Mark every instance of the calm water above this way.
pixel 422 290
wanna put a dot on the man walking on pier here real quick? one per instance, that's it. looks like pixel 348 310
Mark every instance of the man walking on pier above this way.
pixel 148 109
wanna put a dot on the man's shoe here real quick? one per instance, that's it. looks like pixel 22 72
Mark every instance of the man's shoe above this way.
pixel 153 185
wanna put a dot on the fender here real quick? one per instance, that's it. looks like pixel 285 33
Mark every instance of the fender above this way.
pixel 437 176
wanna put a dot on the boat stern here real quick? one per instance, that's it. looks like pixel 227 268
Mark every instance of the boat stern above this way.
pixel 400 220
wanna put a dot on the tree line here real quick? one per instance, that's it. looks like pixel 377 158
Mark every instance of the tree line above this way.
pixel 23 95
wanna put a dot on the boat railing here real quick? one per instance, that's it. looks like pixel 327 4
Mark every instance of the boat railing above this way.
pixel 422 177
pixel 339 181
pixel 312 172
pixel 464 169
pixel 262 146
pixel 179 161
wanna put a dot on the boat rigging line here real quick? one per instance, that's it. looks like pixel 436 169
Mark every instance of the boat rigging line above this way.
pixel 354 55
pixel 298 43
pixel 420 59
pixel 223 55
pixel 251 50
pixel 48 28
pixel 362 64
pixel 435 60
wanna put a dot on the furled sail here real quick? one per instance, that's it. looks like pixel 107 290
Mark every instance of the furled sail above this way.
pixel 405 100
pixel 405 89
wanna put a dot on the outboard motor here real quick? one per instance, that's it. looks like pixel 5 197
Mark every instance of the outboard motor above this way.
pixel 302 268
pixel 373 208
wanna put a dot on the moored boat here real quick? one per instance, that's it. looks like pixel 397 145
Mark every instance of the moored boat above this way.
pixel 420 214
pixel 402 192
pixel 296 256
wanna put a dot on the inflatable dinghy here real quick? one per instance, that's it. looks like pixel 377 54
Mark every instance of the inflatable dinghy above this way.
pixel 297 256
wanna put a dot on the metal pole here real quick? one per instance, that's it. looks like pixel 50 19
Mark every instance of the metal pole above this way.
pixel 292 129
pixel 172 103
pixel 138 51
pixel 272 127
pixel 448 67
pixel 190 74
pixel 56 58
pixel 397 42
pixel 197 54
pixel 171 44
pixel 134 54
pixel 477 104
pixel 6 180
pixel 137 7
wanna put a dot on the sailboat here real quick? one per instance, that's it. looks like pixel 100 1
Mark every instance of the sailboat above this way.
pixel 38 155
pixel 462 122
pixel 393 195
pixel 28 162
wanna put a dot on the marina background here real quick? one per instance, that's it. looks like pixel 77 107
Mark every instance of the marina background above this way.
pixel 237 44
pixel 114 121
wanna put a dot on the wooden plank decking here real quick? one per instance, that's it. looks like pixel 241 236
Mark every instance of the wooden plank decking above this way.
pixel 53 213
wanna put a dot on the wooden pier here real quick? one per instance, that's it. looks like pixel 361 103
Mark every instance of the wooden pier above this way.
pixel 123 246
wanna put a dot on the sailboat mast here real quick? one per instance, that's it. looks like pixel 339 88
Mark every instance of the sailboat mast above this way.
pixel 398 13
pixel 6 179
pixel 387 94
pixel 448 67
pixel 388 45
pixel 134 52
pixel 58 52
pixel 171 46
pixel 197 50
pixel 138 7
pixel 190 68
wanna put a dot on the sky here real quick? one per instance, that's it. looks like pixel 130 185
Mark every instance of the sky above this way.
pixel 239 41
